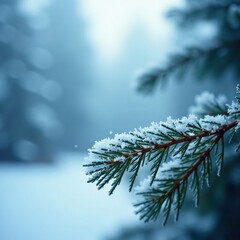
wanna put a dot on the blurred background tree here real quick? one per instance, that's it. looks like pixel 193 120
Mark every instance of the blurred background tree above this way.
pixel 72 70
pixel 217 59
pixel 43 80
pixel 28 123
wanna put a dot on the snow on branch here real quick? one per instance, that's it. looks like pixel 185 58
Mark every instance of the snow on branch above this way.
pixel 208 104
pixel 180 154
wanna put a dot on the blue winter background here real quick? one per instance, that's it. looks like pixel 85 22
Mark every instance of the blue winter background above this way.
pixel 85 56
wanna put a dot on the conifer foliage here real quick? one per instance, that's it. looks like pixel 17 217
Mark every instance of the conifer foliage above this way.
pixel 181 154
pixel 216 59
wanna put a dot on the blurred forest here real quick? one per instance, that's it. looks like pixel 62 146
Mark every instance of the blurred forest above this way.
pixel 43 81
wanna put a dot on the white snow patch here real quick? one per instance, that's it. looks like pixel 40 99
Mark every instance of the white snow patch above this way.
pixel 207 100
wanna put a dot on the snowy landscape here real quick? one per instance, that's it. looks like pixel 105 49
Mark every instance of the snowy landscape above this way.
pixel 56 202
pixel 101 97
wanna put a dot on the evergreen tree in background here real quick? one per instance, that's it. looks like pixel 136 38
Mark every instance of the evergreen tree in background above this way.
pixel 213 60
pixel 72 71
pixel 43 80
pixel 28 125
pixel 185 156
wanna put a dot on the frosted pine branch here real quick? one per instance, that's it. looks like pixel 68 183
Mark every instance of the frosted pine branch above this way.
pixel 180 153
pixel 172 182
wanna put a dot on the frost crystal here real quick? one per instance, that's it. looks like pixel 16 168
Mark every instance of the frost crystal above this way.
pixel 211 123
pixel 237 127
pixel 234 108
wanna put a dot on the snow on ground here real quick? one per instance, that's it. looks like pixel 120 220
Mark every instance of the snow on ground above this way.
pixel 56 202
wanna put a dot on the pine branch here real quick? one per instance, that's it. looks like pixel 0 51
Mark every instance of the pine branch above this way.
pixel 114 159
pixel 224 53
pixel 180 154
pixel 174 189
